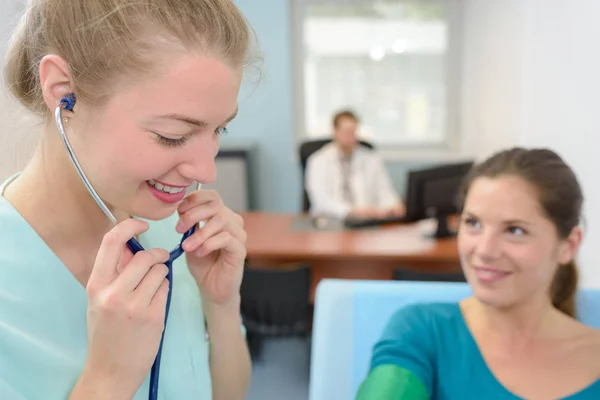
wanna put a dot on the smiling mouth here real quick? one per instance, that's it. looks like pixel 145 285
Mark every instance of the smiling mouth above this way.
pixel 490 274
pixel 165 188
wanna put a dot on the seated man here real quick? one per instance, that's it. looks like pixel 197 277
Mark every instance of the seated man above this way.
pixel 346 179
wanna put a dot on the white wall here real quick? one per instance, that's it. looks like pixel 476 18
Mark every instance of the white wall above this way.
pixel 531 77
pixel 18 129
pixel 561 101
pixel 492 64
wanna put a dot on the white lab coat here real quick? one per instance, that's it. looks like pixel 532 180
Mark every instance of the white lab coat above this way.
pixel 369 182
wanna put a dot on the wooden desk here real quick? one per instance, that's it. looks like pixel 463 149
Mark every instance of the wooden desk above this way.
pixel 350 254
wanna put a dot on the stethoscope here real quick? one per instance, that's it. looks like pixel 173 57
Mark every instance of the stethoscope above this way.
pixel 68 103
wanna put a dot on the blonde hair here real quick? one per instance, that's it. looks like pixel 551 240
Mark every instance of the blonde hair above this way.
pixel 107 42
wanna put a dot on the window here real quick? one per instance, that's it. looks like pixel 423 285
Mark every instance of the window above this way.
pixel 390 61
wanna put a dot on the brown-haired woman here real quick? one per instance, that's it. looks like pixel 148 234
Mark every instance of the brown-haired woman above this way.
pixel 153 84
pixel 517 336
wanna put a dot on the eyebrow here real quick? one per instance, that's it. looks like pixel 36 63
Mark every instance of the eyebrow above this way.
pixel 517 222
pixel 506 222
pixel 193 121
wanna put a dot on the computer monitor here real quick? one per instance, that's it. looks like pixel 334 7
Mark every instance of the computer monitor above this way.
pixel 432 192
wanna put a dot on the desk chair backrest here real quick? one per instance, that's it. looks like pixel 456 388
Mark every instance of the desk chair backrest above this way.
pixel 274 303
pixel 350 316
pixel 306 150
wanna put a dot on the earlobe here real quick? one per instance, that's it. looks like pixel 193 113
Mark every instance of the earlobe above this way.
pixel 565 254
pixel 55 80
pixel 570 246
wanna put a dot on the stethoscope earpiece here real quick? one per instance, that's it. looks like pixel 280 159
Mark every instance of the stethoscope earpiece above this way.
pixel 68 102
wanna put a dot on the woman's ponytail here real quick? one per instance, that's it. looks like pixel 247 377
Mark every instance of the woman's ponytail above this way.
pixel 564 288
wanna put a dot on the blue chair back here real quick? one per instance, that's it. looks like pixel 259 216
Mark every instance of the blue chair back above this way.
pixel 350 316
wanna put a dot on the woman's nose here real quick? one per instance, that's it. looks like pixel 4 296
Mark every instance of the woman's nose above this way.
pixel 489 246
pixel 200 164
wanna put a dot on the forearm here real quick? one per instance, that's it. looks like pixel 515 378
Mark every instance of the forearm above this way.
pixel 332 208
pixel 388 199
pixel 323 203
pixel 230 363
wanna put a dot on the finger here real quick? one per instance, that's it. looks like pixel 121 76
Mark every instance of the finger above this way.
pixel 235 226
pixel 222 241
pixel 159 301
pixel 214 225
pixel 137 269
pixel 150 284
pixel 197 198
pixel 196 214
pixel 109 254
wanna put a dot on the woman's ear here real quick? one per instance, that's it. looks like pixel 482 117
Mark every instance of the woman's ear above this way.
pixel 55 79
pixel 570 245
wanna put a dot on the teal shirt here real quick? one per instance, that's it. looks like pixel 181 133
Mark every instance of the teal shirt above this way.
pixel 43 330
pixel 433 342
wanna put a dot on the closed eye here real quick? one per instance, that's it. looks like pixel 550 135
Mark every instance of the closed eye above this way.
pixel 167 142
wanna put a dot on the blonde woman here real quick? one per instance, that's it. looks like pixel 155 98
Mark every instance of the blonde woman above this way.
pixel 155 83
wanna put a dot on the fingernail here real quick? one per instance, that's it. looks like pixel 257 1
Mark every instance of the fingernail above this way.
pixel 179 227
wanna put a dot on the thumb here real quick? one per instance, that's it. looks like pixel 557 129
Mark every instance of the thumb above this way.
pixel 111 251
pixel 199 266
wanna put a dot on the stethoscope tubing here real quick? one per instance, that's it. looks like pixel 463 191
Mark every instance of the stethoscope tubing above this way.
pixel 67 103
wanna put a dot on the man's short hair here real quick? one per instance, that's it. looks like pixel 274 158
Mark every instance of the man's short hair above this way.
pixel 344 114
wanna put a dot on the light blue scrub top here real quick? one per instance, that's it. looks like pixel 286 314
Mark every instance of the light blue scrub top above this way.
pixel 43 330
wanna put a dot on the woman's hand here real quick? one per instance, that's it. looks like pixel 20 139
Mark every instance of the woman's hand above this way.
pixel 366 213
pixel 127 297
pixel 216 251
pixel 398 210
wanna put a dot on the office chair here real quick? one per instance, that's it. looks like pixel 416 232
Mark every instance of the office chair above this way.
pixel 274 303
pixel 306 150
